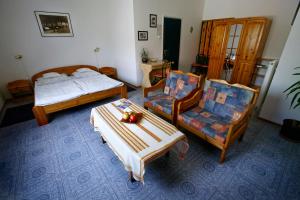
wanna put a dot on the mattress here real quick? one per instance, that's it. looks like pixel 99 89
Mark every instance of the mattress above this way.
pixel 59 89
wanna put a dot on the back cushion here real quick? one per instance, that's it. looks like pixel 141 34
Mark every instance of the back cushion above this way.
pixel 225 100
pixel 179 85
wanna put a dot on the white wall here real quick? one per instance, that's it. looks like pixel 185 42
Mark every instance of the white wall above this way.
pixel 280 11
pixel 276 106
pixel 189 12
pixel 96 23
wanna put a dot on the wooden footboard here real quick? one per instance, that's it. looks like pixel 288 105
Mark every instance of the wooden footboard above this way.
pixel 41 112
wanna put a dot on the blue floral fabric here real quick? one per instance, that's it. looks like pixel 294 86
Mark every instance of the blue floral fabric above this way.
pixel 180 85
pixel 225 100
pixel 208 123
pixel 220 104
pixel 161 101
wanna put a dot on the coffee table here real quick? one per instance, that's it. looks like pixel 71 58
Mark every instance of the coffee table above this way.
pixel 136 144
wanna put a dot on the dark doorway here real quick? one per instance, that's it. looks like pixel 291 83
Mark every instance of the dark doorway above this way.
pixel 172 29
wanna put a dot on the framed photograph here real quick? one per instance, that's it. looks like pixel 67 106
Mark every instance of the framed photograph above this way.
pixel 142 35
pixel 54 24
pixel 153 20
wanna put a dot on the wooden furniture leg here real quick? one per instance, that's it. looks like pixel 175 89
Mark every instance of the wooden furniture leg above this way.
pixel 131 177
pixel 40 115
pixel 124 92
pixel 223 154
pixel 103 141
pixel 168 154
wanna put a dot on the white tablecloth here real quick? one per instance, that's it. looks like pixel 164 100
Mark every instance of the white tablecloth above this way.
pixel 134 144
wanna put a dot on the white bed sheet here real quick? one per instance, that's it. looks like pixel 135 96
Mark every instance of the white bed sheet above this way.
pixel 96 83
pixel 63 88
pixel 47 94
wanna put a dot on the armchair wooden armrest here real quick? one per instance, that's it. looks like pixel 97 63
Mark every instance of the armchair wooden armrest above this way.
pixel 157 86
pixel 189 101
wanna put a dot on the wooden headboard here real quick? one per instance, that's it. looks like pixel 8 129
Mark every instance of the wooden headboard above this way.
pixel 66 70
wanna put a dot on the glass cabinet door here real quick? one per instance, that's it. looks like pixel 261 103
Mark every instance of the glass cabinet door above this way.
pixel 231 50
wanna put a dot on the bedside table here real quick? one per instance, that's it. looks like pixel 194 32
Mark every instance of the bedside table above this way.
pixel 109 71
pixel 20 88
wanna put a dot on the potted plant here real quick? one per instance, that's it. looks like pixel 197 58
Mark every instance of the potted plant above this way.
pixel 291 127
pixel 144 56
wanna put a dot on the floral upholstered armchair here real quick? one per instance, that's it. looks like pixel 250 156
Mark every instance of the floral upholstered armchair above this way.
pixel 221 115
pixel 167 93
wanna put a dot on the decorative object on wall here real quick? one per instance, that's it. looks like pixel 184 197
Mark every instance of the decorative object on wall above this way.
pixel 142 35
pixel 153 20
pixel 54 24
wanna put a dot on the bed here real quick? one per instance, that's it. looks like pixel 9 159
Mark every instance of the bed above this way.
pixel 67 87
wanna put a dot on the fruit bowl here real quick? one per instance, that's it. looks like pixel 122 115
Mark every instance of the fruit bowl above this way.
pixel 131 117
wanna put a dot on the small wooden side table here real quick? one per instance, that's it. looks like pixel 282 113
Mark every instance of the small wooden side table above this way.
pixel 20 88
pixel 109 71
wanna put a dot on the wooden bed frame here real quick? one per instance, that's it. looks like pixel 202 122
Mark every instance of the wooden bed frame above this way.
pixel 41 112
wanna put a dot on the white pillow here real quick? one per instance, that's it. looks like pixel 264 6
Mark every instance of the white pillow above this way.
pixel 85 74
pixel 84 70
pixel 49 80
pixel 51 74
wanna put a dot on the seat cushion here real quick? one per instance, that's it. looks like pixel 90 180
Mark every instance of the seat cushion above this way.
pixel 210 124
pixel 161 101
pixel 226 100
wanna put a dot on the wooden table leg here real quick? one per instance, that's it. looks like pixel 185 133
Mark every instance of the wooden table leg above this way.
pixel 167 154
pixel 103 141
pixel 131 177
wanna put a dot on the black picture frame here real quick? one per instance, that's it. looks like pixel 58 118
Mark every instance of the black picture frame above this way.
pixel 61 24
pixel 153 20
pixel 142 35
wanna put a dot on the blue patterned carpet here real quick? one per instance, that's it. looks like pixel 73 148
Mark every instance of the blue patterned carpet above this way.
pixel 67 160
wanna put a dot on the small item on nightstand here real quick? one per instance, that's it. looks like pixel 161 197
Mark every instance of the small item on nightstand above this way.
pixel 20 88
pixel 144 56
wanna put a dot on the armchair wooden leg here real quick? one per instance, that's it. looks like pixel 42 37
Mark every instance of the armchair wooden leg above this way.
pixel 223 154
pixel 176 124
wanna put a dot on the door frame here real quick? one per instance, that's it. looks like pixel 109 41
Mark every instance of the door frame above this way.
pixel 163 33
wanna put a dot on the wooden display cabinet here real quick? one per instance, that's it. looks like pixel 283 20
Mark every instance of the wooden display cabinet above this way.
pixel 241 50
